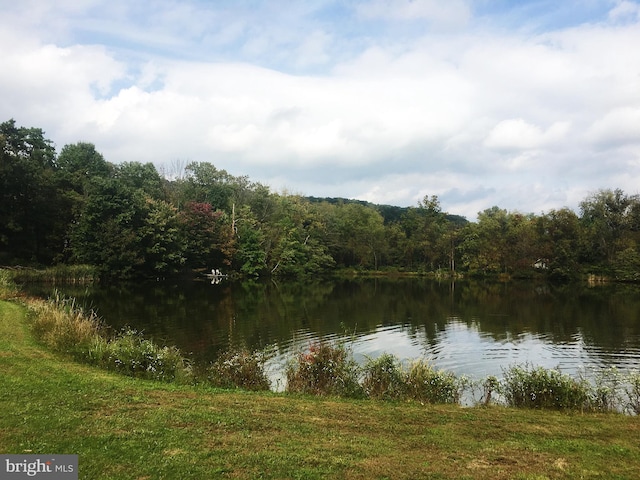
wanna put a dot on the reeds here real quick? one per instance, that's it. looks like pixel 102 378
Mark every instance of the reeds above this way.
pixel 239 369
pixel 8 286
pixel 324 369
pixel 62 325
pixel 59 274
pixel 386 378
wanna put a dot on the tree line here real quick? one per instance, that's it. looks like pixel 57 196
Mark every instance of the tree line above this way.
pixel 130 220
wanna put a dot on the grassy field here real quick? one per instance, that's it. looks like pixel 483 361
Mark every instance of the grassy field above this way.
pixel 124 428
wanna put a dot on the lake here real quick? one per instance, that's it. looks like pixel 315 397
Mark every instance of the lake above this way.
pixel 474 328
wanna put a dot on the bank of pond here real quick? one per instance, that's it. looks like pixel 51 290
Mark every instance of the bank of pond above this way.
pixel 328 368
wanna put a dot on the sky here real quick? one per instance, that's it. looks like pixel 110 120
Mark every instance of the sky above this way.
pixel 529 105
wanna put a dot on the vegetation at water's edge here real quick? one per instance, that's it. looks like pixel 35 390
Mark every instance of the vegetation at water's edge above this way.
pixel 129 220
pixel 124 428
pixel 323 369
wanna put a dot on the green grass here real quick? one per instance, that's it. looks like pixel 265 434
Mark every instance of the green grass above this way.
pixel 128 428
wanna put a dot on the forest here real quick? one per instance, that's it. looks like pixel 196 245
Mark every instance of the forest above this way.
pixel 130 220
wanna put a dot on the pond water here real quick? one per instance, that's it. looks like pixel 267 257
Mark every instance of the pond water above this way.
pixel 467 327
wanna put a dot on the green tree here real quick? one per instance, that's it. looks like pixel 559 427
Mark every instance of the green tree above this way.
pixel 162 240
pixel 78 164
pixel 358 236
pixel 208 236
pixel 427 235
pixel 610 220
pixel 484 244
pixel 204 183
pixel 30 203
pixel 561 240
pixel 109 231
pixel 295 238
pixel 251 256
pixel 144 177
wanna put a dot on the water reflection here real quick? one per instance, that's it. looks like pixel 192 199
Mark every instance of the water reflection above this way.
pixel 472 328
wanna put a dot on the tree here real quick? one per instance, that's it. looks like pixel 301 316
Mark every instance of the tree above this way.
pixel 204 183
pixel 164 248
pixel 109 231
pixel 426 227
pixel 251 257
pixel 484 245
pixel 608 217
pixel 207 235
pixel 295 239
pixel 144 177
pixel 78 164
pixel 561 241
pixel 29 201
pixel 359 235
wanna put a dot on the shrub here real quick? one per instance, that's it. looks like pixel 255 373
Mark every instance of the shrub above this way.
pixel 324 369
pixel 384 378
pixel 605 394
pixel 426 384
pixel 490 385
pixel 131 354
pixel 239 369
pixel 632 392
pixel 543 388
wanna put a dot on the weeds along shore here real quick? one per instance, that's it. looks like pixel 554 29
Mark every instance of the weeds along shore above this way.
pixel 324 368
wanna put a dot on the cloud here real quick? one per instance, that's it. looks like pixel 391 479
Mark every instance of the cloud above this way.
pixel 385 101
pixel 453 13
pixel 517 134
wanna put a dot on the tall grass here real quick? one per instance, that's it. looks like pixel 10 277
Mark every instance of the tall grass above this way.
pixel 324 369
pixel 8 286
pixel 387 379
pixel 64 326
pixel 538 387
pixel 59 274
pixel 384 378
pixel 239 369
pixel 426 384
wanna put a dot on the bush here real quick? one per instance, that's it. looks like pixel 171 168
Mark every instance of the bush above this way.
pixel 384 378
pixel 632 391
pixel 490 385
pixel 131 354
pixel 605 393
pixel 530 387
pixel 324 369
pixel 239 369
pixel 426 384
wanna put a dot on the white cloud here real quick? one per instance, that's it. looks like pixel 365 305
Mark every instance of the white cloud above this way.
pixel 619 127
pixel 331 107
pixel 517 134
pixel 444 14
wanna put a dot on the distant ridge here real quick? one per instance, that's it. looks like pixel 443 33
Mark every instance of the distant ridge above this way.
pixel 390 213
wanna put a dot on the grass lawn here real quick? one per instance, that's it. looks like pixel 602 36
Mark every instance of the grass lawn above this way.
pixel 123 428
